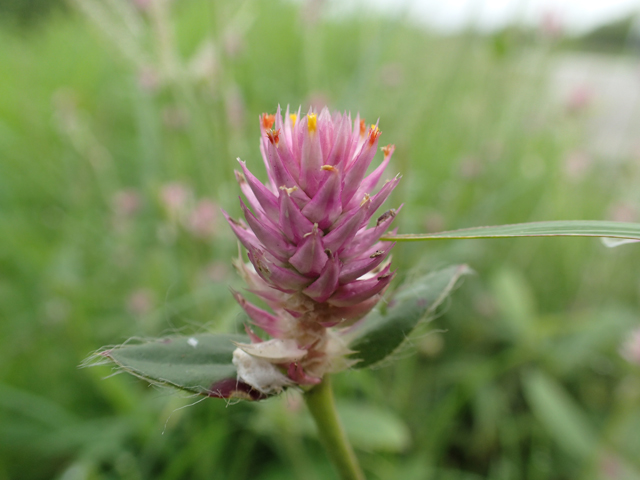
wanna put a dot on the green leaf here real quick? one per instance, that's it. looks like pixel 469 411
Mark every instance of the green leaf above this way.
pixel 196 364
pixel 383 332
pixel 374 429
pixel 566 228
pixel 40 409
pixel 560 414
pixel 516 303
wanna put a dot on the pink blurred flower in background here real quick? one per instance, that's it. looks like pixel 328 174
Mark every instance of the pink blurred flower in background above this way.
pixel 631 347
pixel 611 467
pixel 579 99
pixel 202 221
pixel 125 204
pixel 175 198
pixel 199 219
pixel 551 25
pixel 142 4
pixel 216 271
pixel 623 212
pixel 311 12
pixel 576 165
pixel 148 79
pixel 141 302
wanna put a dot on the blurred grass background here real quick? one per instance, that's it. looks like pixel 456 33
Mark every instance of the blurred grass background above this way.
pixel 119 125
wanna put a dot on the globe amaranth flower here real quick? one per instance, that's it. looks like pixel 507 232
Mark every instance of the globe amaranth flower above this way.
pixel 315 255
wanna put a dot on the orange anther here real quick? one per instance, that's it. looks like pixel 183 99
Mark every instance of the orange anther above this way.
pixel 267 121
pixel 374 133
pixel 273 136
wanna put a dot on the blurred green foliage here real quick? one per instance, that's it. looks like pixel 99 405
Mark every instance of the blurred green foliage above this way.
pixel 119 126
pixel 28 13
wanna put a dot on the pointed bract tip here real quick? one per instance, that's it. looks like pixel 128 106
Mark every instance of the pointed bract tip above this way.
pixel 239 298
pixel 240 178
pixel 237 223
pixel 252 335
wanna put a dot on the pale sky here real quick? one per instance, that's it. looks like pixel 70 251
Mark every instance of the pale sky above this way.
pixel 450 15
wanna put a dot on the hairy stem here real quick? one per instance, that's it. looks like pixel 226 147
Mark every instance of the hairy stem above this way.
pixel 322 406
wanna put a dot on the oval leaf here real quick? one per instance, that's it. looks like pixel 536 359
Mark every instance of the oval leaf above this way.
pixel 200 364
pixel 565 228
pixel 383 332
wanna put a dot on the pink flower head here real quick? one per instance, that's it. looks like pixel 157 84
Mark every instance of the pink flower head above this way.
pixel 579 99
pixel 175 198
pixel 126 203
pixel 314 258
pixel 551 24
pixel 202 220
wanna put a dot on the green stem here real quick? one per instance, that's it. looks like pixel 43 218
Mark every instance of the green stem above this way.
pixel 332 435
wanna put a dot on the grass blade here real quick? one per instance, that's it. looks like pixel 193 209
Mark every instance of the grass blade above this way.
pixel 561 228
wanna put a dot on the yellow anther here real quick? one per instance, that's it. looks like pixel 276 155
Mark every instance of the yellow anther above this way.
pixel 366 199
pixel 293 118
pixel 288 190
pixel 329 168
pixel 312 121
